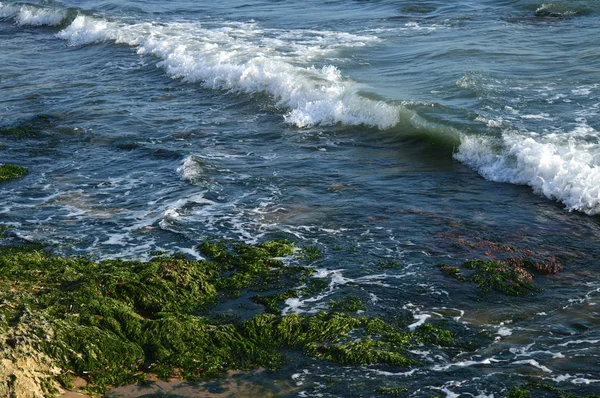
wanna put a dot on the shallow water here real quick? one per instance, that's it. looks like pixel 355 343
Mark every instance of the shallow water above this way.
pixel 391 135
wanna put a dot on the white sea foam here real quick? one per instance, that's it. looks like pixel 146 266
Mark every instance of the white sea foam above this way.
pixel 242 60
pixel 565 167
pixel 579 342
pixel 465 364
pixel 574 379
pixel 504 331
pixel 175 210
pixel 534 363
pixel 421 318
pixel 190 169
pixel 26 15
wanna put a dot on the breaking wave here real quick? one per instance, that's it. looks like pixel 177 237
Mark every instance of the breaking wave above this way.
pixel 564 167
pixel 249 59
pixel 244 58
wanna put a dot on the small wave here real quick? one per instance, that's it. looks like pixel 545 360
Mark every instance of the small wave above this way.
pixel 27 15
pixel 555 10
pixel 224 58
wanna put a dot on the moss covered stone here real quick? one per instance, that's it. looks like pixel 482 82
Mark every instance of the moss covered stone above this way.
pixel 11 172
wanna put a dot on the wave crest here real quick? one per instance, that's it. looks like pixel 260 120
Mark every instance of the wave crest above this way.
pixel 562 167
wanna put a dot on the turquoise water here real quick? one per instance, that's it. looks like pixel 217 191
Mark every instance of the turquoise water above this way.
pixel 383 132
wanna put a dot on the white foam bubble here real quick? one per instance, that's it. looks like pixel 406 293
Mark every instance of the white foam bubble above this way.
pixel 238 60
pixel 174 211
pixel 490 122
pixel 564 167
pixel 8 11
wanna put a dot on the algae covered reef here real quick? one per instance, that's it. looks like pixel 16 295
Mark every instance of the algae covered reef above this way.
pixel 118 322
pixel 11 172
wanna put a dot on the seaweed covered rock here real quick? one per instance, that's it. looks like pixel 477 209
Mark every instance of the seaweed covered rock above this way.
pixel 11 172
pixel 117 322
pixel 531 390
pixel 19 131
pixel 490 275
pixel 502 277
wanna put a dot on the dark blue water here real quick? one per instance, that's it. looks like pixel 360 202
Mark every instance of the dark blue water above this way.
pixel 383 132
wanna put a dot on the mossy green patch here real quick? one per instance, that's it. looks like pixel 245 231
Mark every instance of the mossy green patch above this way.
pixel 537 389
pixel 361 352
pixel 273 302
pixel 431 335
pixel 115 322
pixel 501 277
pixel 19 131
pixel 3 229
pixel 391 391
pixel 312 253
pixel 347 304
pixel 11 172
pixel 518 392
pixel 490 275
pixel 452 272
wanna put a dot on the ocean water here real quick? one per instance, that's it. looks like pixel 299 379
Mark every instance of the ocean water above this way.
pixel 383 132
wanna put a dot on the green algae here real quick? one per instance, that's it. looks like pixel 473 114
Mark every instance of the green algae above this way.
pixel 503 277
pixel 11 172
pixel 3 229
pixel 452 272
pixel 19 131
pixel 431 335
pixel 391 391
pixel 116 322
pixel 347 304
pixel 490 275
pixel 361 352
pixel 273 302
pixel 312 253
pixel 536 389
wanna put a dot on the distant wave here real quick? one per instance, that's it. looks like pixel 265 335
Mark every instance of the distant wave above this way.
pixel 27 15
